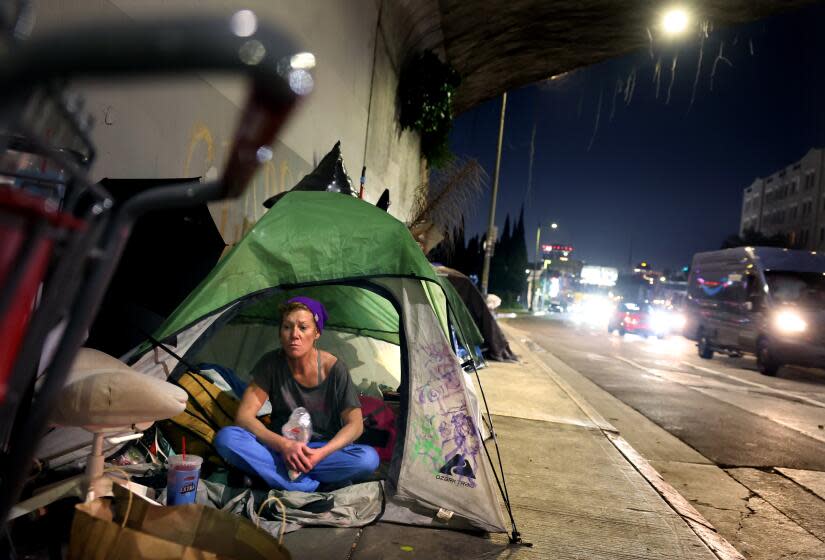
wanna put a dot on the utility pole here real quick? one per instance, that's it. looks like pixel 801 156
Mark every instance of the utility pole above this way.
pixel 630 253
pixel 535 271
pixel 538 266
pixel 530 167
pixel 491 225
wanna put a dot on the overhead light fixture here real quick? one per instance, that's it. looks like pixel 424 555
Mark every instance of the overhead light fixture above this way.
pixel 302 61
pixel 244 23
pixel 675 21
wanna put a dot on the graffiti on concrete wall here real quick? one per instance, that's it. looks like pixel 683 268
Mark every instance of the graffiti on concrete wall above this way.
pixel 234 218
pixel 200 135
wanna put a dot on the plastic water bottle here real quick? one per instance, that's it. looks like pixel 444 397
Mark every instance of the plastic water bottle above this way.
pixel 298 428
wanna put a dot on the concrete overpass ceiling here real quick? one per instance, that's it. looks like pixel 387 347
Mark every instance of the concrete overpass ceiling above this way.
pixel 500 45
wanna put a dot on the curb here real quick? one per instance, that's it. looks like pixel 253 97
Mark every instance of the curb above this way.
pixel 706 532
pixel 703 529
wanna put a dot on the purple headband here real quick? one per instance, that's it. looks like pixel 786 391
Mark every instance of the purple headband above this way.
pixel 319 313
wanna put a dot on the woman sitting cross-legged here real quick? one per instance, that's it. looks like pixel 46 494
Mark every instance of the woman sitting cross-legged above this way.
pixel 300 375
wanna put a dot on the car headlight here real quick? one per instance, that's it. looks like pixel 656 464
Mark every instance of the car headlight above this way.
pixel 678 321
pixel 790 322
pixel 659 321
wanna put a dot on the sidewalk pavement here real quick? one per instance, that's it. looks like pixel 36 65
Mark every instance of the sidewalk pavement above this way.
pixel 577 489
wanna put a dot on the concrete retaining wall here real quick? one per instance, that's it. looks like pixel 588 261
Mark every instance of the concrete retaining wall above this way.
pixel 183 128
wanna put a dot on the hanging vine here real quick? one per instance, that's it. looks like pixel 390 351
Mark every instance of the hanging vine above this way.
pixel 425 92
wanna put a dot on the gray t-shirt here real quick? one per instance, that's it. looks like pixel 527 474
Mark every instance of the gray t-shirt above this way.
pixel 325 402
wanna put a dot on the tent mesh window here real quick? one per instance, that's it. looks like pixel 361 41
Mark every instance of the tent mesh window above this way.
pixel 369 348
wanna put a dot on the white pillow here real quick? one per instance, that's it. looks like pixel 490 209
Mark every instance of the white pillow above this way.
pixel 103 392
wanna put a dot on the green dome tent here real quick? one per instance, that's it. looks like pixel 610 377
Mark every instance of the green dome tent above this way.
pixel 390 322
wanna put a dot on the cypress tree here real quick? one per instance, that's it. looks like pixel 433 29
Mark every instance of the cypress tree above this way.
pixel 518 257
pixel 459 260
pixel 471 260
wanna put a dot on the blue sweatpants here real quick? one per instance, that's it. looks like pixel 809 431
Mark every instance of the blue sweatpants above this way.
pixel 242 450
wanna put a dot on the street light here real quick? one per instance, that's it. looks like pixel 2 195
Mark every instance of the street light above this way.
pixel 554 226
pixel 675 21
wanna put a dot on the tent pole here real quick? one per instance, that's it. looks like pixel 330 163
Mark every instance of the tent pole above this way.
pixel 515 536
pixel 158 344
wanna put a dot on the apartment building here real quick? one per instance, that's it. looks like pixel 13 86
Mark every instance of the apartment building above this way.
pixel 790 202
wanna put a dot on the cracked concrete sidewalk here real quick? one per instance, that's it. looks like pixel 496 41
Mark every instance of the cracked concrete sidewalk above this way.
pixel 763 513
pixel 576 480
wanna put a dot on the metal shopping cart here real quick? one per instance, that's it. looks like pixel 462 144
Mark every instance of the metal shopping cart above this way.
pixel 62 235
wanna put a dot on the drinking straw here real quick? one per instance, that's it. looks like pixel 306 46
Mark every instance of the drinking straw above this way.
pixel 183 446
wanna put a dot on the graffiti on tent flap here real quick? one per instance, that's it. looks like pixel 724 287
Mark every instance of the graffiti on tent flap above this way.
pixel 460 432
pixel 459 447
pixel 452 448
pixel 426 446
pixel 442 379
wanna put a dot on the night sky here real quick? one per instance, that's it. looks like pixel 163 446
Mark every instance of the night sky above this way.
pixel 664 177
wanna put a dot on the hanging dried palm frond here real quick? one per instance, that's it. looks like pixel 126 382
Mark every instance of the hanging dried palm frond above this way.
pixel 438 206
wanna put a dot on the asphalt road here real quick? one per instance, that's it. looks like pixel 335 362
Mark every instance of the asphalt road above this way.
pixel 723 408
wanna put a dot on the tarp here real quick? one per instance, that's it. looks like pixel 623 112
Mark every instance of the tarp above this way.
pixel 497 346
pixel 464 320
pixel 140 297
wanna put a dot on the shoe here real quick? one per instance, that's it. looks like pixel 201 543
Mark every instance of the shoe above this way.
pixel 319 506
pixel 325 487
pixel 239 479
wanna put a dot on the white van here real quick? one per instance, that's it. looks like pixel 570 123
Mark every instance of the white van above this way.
pixel 766 301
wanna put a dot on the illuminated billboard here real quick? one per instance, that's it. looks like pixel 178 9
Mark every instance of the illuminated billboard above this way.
pixel 550 251
pixel 599 275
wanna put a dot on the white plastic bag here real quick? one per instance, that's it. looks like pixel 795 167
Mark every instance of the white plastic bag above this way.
pixel 493 302
pixel 298 428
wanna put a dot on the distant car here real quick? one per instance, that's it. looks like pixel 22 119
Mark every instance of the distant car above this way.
pixel 556 306
pixel 670 319
pixel 639 318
